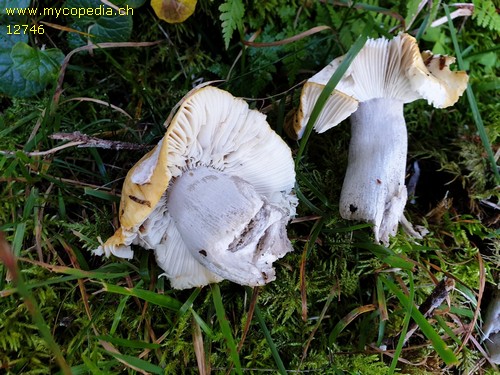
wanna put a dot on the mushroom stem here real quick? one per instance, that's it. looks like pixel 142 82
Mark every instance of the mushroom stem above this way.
pixel 373 189
pixel 227 226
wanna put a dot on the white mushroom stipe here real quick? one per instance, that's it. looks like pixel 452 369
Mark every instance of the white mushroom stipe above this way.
pixel 227 226
pixel 213 198
pixel 374 183
pixel 381 78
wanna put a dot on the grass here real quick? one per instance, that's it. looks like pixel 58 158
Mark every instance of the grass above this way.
pixel 336 299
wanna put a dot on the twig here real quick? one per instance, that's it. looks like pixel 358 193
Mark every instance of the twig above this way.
pixel 82 140
pixel 435 299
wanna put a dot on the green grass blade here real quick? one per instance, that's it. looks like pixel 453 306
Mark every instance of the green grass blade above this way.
pixel 34 285
pixel 447 329
pixel 439 345
pixel 118 314
pixel 387 255
pixel 189 302
pixel 29 205
pixel 101 273
pixel 381 301
pixel 406 321
pixel 346 320
pixel 101 194
pixel 307 202
pixel 146 295
pixel 17 242
pixel 472 100
pixel 314 234
pixel 225 328
pixel 138 363
pixel 330 86
pixel 90 366
pixel 317 192
pixel 203 325
pixel 270 342
pixel 10 261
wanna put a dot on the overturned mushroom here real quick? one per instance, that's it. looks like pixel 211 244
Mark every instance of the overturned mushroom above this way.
pixel 213 198
pixel 384 76
pixel 491 326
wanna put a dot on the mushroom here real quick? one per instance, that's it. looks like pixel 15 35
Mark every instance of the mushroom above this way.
pixel 491 326
pixel 213 198
pixel 337 108
pixel 384 76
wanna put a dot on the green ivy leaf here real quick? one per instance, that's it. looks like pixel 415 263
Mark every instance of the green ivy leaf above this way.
pixel 12 83
pixel 4 4
pixel 34 64
pixel 12 18
pixel 107 26
pixel 8 41
pixel 111 29
pixel 25 71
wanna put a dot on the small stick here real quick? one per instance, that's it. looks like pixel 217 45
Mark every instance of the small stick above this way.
pixel 83 140
pixel 435 299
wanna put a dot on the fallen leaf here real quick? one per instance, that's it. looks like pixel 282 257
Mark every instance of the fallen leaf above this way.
pixel 173 11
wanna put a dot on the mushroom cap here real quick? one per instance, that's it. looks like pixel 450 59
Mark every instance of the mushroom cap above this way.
pixel 211 129
pixel 443 86
pixel 390 69
pixel 173 11
pixel 337 108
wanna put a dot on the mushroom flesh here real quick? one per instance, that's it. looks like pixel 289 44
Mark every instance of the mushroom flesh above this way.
pixel 213 198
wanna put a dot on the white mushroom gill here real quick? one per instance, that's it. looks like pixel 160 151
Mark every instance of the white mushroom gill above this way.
pixel 382 77
pixel 212 200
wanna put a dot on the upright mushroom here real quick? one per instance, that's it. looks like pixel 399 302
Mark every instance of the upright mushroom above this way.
pixel 384 75
pixel 213 198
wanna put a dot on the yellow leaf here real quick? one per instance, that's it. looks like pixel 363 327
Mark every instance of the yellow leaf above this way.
pixel 173 11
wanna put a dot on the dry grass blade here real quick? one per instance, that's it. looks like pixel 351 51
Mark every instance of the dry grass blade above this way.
pixel 43 153
pixel 292 39
pixel 199 349
pixel 10 262
pixel 64 28
pixel 362 6
pixel 390 354
pixel 329 300
pixel 102 102
pixel 346 320
pixel 251 310
pixel 7 258
pixel 447 274
pixel 483 352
